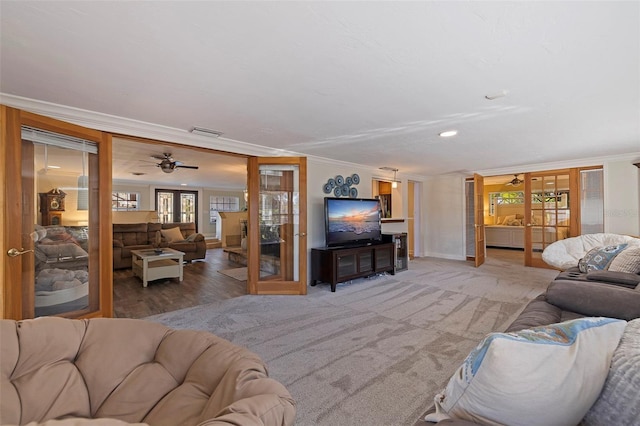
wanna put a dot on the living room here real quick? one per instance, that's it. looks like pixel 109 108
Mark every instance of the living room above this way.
pixel 363 89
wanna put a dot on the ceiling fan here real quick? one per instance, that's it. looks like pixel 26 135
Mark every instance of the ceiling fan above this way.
pixel 167 164
pixel 515 181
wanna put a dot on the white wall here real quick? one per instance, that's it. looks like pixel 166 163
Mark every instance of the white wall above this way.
pixel 443 217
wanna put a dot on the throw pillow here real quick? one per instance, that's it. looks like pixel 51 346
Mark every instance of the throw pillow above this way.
pixel 508 219
pixel 172 234
pixel 191 238
pixel 627 261
pixel 618 402
pixel 544 375
pixel 598 258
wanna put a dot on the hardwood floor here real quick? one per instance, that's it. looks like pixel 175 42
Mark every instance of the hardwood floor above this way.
pixel 202 283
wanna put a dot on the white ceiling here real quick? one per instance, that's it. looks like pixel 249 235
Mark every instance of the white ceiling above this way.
pixel 363 82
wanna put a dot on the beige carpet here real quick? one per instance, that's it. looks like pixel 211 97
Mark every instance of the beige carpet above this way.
pixel 377 350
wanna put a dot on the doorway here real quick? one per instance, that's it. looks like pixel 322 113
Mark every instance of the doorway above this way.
pixel 526 212
pixel 177 206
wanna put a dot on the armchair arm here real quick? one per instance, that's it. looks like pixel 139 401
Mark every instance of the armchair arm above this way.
pixel 195 238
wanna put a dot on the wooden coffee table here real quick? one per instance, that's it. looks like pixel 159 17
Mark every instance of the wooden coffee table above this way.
pixel 149 265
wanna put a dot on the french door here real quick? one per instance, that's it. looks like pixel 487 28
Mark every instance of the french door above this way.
pixel 175 206
pixel 277 229
pixel 551 211
pixel 56 208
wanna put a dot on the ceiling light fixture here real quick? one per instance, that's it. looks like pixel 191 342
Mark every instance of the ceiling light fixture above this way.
pixel 500 94
pixel 448 133
pixel 202 131
pixel 394 182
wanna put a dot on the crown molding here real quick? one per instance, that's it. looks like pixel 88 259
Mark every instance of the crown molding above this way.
pixel 578 162
pixel 126 126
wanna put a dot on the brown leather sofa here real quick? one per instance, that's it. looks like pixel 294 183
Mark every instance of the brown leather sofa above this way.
pixel 140 236
pixel 126 371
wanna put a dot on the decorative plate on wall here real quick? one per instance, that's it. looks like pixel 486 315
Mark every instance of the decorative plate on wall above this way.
pixel 341 186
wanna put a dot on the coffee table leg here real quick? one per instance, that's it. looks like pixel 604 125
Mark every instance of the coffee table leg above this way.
pixel 145 269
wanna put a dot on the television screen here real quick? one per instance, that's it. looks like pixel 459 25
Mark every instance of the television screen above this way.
pixel 352 221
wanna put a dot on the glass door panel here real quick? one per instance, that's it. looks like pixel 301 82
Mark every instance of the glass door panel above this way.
pixel 548 209
pixel 279 220
pixel 55 221
pixel 165 206
pixel 187 207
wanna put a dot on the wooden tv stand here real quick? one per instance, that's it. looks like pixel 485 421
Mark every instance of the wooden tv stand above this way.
pixel 334 265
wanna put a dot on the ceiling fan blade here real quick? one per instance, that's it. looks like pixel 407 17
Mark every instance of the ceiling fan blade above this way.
pixel 186 167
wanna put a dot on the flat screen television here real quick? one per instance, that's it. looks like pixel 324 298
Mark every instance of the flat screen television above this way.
pixel 352 221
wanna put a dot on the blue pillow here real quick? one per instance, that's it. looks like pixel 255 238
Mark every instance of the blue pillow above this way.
pixel 599 258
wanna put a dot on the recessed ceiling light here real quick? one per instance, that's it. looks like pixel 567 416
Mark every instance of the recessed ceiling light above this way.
pixel 448 133
pixel 183 184
pixel 53 167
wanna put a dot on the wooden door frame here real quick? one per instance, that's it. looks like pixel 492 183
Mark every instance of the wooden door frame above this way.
pixel 254 285
pixel 11 290
pixel 574 211
pixel 478 219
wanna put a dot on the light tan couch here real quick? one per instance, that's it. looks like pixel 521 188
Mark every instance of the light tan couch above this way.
pixel 132 371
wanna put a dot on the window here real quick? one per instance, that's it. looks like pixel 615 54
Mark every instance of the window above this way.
pixel 125 201
pixel 224 204
pixel 495 198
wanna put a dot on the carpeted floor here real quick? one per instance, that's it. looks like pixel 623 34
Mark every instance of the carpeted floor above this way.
pixel 377 350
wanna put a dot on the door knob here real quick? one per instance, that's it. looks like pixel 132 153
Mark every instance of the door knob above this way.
pixel 13 252
pixel 302 234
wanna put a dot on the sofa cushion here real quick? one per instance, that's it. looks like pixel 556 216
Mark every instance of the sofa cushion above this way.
pixel 620 278
pixel 618 402
pixel 545 375
pixel 627 261
pixel 599 258
pixel 172 234
pixel 592 298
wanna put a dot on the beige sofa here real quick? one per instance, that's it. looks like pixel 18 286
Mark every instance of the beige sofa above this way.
pixel 140 236
pixel 132 371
